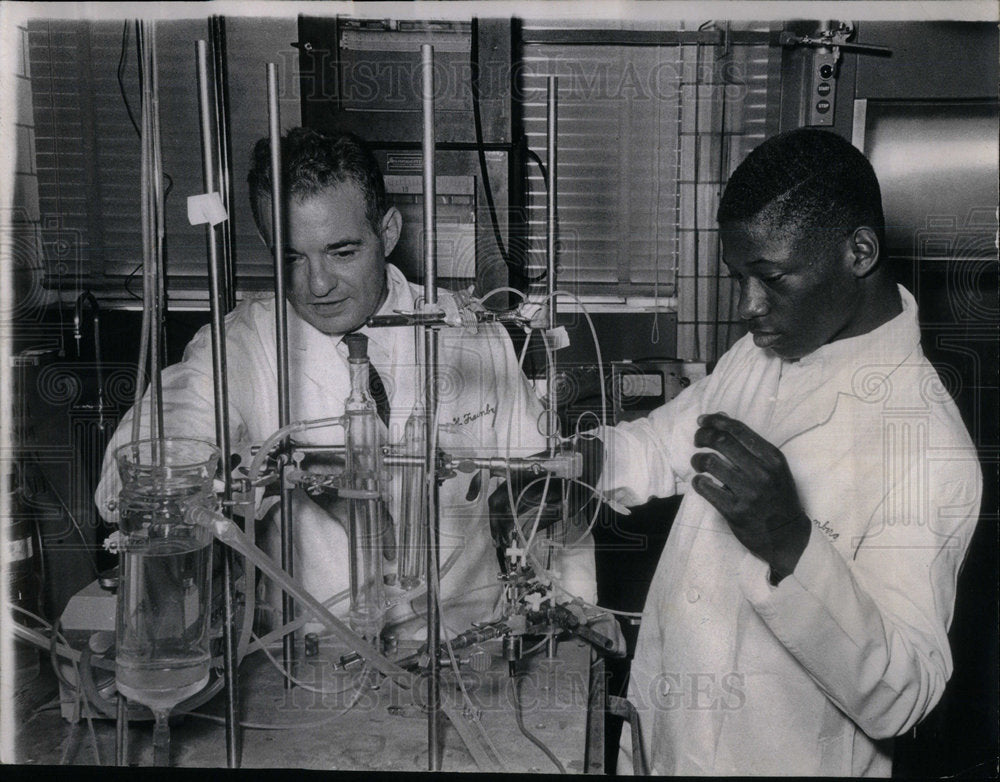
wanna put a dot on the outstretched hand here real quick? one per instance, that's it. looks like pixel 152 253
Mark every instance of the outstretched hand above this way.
pixel 748 481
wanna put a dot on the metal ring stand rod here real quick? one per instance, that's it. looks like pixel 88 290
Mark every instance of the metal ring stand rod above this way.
pixel 552 417
pixel 551 257
pixel 281 337
pixel 218 295
pixel 430 390
pixel 158 343
pixel 224 161
pixel 154 296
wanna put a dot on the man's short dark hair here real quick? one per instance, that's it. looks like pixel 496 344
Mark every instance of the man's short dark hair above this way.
pixel 807 179
pixel 312 161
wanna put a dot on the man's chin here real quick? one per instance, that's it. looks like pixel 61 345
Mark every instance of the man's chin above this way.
pixel 334 324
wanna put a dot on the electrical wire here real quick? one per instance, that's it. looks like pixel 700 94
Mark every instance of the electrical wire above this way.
pixel 515 682
pixel 76 524
pixel 89 686
pixel 78 709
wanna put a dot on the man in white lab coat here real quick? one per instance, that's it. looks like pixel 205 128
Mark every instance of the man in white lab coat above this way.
pixel 340 228
pixel 798 618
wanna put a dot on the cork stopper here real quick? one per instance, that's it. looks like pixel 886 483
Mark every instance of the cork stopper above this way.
pixel 357 346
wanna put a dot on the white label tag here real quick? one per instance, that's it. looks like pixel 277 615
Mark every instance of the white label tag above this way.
pixel 20 549
pixel 206 208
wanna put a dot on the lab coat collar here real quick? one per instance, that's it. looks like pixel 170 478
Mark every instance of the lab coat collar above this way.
pixel 887 345
pixel 857 367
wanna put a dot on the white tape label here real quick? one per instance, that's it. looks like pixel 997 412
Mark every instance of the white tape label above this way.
pixel 206 208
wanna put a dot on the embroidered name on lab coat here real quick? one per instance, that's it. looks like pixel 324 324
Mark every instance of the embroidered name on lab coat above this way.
pixel 826 529
pixel 468 418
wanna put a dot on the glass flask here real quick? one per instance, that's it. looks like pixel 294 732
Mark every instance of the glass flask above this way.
pixel 367 516
pixel 164 595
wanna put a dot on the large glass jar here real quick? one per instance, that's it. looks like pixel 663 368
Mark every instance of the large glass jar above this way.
pixel 164 596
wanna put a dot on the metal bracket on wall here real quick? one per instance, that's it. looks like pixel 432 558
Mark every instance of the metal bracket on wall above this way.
pixel 821 87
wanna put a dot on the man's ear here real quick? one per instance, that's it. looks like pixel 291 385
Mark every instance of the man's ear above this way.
pixel 864 249
pixel 392 225
pixel 262 220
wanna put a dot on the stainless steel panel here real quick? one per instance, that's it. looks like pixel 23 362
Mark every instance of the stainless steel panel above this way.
pixel 937 163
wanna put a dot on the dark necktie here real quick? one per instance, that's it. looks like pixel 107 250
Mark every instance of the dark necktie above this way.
pixel 376 389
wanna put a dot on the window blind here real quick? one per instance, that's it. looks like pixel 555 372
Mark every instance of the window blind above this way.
pixel 87 153
pixel 647 136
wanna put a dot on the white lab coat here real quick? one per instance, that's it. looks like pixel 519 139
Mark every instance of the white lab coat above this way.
pixel 486 408
pixel 815 676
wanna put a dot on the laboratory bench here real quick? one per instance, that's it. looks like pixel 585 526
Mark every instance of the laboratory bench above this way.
pixel 352 723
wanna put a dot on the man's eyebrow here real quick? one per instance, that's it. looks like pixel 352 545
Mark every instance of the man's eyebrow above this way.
pixel 289 250
pixel 342 243
pixel 766 261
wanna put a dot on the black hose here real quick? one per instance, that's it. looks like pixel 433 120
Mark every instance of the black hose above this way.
pixel 481 153
pixel 477 119
pixel 121 81
pixel 534 156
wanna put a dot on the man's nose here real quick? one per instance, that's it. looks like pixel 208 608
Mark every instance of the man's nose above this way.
pixel 322 278
pixel 753 300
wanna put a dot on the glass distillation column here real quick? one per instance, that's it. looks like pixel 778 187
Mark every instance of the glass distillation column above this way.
pixel 164 596
pixel 367 518
pixel 411 556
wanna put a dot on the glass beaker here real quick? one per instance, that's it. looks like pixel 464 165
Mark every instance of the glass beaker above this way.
pixel 164 595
